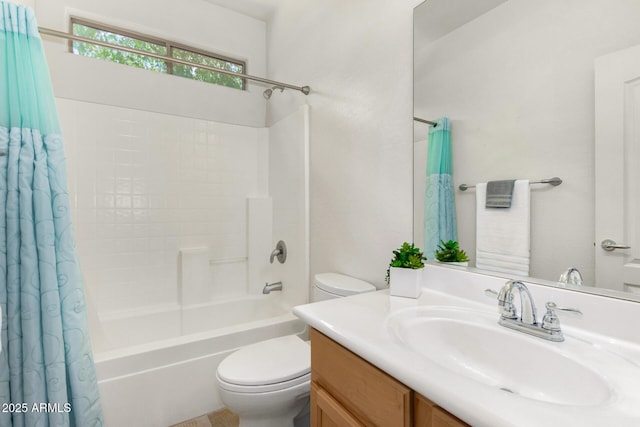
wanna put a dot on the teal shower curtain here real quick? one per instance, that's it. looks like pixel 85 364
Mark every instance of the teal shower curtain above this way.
pixel 439 207
pixel 47 374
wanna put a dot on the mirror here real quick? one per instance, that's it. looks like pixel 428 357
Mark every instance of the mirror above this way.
pixel 516 80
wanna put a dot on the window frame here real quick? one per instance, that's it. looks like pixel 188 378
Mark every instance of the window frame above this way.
pixel 168 44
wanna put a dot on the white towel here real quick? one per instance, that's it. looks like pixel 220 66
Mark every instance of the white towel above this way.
pixel 503 236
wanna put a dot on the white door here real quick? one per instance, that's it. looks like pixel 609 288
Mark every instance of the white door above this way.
pixel 617 162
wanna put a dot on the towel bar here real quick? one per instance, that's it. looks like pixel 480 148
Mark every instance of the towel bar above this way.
pixel 555 181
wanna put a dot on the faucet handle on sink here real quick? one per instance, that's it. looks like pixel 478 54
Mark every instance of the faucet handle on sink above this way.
pixel 491 293
pixel 505 303
pixel 550 321
pixel 506 306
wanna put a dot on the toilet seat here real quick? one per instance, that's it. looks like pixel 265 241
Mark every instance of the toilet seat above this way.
pixel 265 388
pixel 341 285
pixel 270 365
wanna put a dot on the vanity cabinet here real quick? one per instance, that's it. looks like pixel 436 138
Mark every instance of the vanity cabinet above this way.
pixel 347 391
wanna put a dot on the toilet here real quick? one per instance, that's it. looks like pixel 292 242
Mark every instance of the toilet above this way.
pixel 267 383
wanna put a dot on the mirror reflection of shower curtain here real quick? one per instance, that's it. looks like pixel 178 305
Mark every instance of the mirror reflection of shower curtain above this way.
pixel 46 364
pixel 439 205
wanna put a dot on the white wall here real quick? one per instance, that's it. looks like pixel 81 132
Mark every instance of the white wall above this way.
pixel 360 108
pixel 517 84
pixel 356 57
pixel 191 22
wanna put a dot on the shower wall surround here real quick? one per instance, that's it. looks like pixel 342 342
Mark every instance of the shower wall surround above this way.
pixel 143 185
pixel 159 163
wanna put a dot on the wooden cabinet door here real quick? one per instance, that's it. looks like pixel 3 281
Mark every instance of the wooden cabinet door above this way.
pixel 327 412
pixel 372 396
pixel 428 414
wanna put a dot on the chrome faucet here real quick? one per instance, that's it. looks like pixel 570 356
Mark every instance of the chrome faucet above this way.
pixel 571 277
pixel 268 287
pixel 507 309
pixel 527 321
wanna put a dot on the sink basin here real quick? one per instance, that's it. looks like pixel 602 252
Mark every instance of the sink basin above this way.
pixel 472 344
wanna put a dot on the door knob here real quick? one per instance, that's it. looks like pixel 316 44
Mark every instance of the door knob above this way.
pixel 610 245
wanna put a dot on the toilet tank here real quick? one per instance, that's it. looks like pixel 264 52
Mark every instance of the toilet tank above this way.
pixel 333 285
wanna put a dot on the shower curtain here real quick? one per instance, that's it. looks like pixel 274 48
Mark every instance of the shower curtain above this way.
pixel 439 206
pixel 47 375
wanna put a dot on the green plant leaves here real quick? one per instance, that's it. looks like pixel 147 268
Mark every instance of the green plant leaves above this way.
pixel 407 256
pixel 450 252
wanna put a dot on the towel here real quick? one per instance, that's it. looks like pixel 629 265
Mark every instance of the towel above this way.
pixel 499 193
pixel 503 235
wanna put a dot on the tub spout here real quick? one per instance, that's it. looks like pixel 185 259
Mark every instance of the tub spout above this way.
pixel 268 287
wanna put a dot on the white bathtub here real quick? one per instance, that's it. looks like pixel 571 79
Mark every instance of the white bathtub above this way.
pixel 171 376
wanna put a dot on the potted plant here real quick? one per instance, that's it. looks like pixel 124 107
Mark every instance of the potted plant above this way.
pixel 404 274
pixel 450 252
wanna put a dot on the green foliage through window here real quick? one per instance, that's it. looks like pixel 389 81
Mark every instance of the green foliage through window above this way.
pixel 203 75
pixel 130 40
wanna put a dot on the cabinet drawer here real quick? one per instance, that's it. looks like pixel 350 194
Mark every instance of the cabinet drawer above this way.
pixel 375 398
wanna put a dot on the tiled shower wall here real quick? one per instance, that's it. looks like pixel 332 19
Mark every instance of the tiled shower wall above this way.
pixel 143 185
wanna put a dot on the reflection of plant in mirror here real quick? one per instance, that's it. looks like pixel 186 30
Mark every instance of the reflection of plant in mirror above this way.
pixel 407 256
pixel 450 252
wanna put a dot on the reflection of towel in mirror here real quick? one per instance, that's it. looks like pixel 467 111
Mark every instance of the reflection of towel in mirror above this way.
pixel 503 235
pixel 499 193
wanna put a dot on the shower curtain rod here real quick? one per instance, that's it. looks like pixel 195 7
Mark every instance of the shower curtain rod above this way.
pixel 60 34
pixel 429 122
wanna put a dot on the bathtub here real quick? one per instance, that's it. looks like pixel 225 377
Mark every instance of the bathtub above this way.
pixel 169 375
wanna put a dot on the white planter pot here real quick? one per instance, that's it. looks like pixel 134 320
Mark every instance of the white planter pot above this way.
pixel 405 282
pixel 463 264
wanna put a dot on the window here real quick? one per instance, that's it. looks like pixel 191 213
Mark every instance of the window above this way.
pixel 129 39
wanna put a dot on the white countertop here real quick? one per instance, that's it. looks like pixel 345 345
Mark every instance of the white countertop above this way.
pixel 359 324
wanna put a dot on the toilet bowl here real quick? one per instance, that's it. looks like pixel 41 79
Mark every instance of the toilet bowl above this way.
pixel 267 383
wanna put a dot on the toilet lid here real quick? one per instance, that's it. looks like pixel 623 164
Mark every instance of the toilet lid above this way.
pixel 342 285
pixel 268 362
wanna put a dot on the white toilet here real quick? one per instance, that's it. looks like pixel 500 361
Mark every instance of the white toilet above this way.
pixel 267 383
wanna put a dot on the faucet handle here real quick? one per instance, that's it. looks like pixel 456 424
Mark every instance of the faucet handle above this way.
pixel 553 306
pixel 491 293
pixel 550 321
pixel 507 309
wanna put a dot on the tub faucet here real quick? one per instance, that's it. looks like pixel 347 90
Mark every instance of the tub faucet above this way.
pixel 280 252
pixel 571 277
pixel 268 287
pixel 527 321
